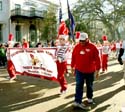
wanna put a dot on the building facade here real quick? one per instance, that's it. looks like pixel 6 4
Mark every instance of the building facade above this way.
pixel 4 20
pixel 22 18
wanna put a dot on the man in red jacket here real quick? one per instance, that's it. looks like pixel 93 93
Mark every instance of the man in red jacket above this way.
pixel 86 62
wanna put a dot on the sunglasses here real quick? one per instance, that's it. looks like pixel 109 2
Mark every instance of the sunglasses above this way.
pixel 82 40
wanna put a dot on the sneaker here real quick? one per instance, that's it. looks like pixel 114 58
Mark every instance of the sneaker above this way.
pixel 80 105
pixel 63 92
pixel 90 101
pixel 14 77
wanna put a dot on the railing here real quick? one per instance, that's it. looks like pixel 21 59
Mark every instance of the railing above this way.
pixel 27 13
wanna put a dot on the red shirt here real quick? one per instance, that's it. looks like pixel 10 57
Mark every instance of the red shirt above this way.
pixel 86 58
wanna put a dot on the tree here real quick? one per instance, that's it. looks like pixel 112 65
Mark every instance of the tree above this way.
pixel 109 12
pixel 49 24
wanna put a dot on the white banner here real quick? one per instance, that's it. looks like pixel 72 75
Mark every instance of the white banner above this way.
pixel 34 61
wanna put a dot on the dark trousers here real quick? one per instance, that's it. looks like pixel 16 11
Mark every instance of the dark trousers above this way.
pixel 3 60
pixel 81 78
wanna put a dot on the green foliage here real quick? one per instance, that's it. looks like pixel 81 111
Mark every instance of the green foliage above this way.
pixel 49 23
pixel 110 13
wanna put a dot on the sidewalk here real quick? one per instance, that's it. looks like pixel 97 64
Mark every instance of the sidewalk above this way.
pixel 29 94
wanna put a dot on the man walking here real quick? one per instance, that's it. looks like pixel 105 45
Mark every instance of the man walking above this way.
pixel 86 62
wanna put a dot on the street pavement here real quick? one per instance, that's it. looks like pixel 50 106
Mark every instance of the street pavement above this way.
pixel 30 94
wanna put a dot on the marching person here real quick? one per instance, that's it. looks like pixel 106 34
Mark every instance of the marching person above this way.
pixel 10 66
pixel 62 63
pixel 105 55
pixel 85 63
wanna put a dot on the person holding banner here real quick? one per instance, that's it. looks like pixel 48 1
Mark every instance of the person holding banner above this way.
pixel 85 63
pixel 10 66
pixel 62 62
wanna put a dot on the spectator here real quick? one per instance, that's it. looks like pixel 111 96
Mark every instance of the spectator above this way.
pixel 2 55
pixel 25 44
pixel 39 45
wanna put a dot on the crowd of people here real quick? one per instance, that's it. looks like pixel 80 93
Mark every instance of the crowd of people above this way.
pixel 108 50
pixel 87 60
pixel 112 48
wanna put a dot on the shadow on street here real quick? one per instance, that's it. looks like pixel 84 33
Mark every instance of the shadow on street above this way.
pixel 28 91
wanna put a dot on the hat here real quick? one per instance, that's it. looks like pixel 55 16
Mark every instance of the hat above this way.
pixel 77 35
pixel 83 36
pixel 104 38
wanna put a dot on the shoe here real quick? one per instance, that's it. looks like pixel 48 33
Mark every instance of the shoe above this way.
pixel 90 101
pixel 80 105
pixel 102 72
pixel 12 78
pixel 63 92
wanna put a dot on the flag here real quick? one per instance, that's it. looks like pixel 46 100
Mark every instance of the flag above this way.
pixel 71 21
pixel 60 13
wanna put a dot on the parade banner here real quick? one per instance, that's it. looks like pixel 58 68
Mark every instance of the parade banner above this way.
pixel 34 62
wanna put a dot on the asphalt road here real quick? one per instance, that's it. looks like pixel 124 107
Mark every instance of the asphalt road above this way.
pixel 29 94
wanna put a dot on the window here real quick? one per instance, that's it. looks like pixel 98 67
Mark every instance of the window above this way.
pixel 18 9
pixel 0 5
pixel 1 37
pixel 18 33
pixel 33 33
pixel 17 6
pixel 32 11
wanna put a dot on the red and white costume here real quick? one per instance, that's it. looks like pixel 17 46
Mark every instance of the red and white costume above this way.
pixel 105 53
pixel 62 64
